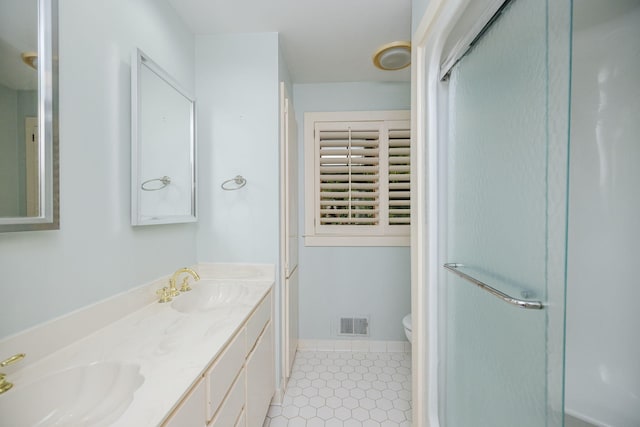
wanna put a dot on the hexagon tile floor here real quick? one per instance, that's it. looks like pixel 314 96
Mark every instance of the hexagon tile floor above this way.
pixel 346 389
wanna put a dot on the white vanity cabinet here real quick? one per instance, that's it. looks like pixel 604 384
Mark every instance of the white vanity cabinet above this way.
pixel 232 407
pixel 190 412
pixel 260 386
pixel 224 372
pixel 236 389
pixel 259 364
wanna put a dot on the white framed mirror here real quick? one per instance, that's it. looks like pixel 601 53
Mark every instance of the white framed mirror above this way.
pixel 29 115
pixel 163 147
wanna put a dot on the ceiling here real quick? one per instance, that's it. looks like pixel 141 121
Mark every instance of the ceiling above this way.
pixel 321 40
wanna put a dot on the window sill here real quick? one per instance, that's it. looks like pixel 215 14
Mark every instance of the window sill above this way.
pixel 357 240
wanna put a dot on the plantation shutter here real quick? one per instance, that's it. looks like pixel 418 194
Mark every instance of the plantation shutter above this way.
pixel 349 174
pixel 357 178
pixel 399 173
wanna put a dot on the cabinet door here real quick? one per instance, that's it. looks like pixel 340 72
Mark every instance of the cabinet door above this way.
pixel 257 322
pixel 260 378
pixel 191 411
pixel 223 373
pixel 242 421
pixel 231 408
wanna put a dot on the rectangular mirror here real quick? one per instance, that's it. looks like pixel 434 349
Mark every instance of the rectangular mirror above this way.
pixel 163 149
pixel 28 115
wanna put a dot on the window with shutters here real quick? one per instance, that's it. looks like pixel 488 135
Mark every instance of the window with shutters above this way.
pixel 357 178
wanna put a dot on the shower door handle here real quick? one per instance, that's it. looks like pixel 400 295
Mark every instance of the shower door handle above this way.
pixel 534 305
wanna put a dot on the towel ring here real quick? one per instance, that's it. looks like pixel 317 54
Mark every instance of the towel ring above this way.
pixel 239 182
pixel 164 181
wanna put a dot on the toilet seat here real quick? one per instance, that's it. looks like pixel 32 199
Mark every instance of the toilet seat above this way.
pixel 406 322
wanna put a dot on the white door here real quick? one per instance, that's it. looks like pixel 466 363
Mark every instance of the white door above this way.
pixel 289 228
pixel 32 166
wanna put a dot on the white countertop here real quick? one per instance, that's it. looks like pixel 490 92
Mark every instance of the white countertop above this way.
pixel 171 348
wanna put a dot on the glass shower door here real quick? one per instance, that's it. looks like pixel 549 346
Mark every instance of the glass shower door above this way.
pixel 503 293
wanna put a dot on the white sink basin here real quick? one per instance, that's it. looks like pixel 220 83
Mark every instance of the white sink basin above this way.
pixel 89 395
pixel 211 295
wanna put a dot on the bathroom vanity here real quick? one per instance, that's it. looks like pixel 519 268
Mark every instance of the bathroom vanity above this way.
pixel 206 358
pixel 236 388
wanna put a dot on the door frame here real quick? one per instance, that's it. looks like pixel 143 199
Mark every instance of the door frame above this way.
pixel 32 162
pixel 426 100
pixel 288 182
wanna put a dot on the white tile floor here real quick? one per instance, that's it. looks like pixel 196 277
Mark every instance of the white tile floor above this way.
pixel 346 389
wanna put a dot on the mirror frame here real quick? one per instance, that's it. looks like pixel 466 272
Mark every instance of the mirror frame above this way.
pixel 48 164
pixel 139 60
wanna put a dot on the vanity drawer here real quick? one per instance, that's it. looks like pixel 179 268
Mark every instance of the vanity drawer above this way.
pixel 190 412
pixel 223 372
pixel 242 420
pixel 256 322
pixel 232 406
pixel 260 379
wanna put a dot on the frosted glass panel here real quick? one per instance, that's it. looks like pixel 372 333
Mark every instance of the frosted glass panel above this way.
pixel 603 345
pixel 499 216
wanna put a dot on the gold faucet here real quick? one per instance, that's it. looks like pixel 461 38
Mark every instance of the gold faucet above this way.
pixel 4 384
pixel 185 283
pixel 167 294
pixel 163 294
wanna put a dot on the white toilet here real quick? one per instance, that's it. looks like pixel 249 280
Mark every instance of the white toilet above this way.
pixel 406 322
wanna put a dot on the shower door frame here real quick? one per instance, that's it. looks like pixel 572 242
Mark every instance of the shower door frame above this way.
pixel 429 130
pixel 429 94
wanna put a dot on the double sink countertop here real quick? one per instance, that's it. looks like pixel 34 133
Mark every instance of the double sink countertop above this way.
pixel 129 359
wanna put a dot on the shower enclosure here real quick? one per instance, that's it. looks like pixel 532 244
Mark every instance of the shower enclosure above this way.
pixel 515 223
pixel 505 216
pixel 603 342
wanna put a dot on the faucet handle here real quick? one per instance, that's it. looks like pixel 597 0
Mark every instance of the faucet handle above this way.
pixel 185 285
pixel 4 385
pixel 164 295
pixel 13 359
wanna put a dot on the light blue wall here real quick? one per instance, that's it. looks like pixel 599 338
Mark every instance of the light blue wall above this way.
pixel 418 7
pixel 337 281
pixel 96 253
pixel 283 72
pixel 237 89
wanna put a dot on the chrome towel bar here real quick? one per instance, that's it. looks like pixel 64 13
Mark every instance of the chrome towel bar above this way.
pixel 534 305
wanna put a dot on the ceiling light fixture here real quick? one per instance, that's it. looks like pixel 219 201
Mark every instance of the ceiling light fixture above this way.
pixel 393 56
pixel 31 59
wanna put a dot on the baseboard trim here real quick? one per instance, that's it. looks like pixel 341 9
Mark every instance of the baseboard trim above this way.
pixel 364 346
pixel 278 397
